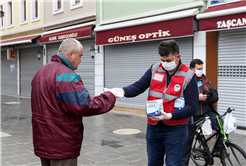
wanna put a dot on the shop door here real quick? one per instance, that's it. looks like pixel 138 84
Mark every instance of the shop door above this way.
pixel 232 73
pixel 29 65
pixel 126 63
pixel 8 75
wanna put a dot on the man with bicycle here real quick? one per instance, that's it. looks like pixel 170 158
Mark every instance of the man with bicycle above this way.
pixel 207 97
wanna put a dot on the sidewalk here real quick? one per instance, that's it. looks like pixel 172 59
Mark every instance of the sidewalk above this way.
pixel 103 143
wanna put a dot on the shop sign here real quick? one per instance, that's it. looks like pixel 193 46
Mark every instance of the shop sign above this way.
pixel 12 54
pixel 74 33
pixel 223 22
pixel 133 38
pixel 159 30
pixel 231 23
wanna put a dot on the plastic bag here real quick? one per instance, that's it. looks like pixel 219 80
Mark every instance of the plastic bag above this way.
pixel 206 127
pixel 230 123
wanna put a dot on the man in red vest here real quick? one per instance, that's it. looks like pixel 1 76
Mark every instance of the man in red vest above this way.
pixel 172 82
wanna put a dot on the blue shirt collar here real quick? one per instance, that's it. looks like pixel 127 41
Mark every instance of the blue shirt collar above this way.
pixel 66 61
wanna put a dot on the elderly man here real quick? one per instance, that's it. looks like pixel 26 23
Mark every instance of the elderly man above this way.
pixel 59 101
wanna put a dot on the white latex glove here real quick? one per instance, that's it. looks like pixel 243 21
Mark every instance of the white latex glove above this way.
pixel 163 115
pixel 118 92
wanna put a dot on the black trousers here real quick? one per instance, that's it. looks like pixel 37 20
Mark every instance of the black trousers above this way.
pixel 191 134
pixel 62 162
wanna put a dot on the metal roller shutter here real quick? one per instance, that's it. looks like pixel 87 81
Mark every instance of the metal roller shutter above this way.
pixel 8 76
pixel 126 63
pixel 86 69
pixel 232 73
pixel 29 65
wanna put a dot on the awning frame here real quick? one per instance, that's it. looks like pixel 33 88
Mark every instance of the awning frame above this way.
pixel 20 41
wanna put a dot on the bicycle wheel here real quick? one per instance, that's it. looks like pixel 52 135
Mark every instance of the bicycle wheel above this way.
pixel 199 153
pixel 233 155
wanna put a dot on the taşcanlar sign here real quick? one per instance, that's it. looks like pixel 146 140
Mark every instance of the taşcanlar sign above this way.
pixel 223 22
pixel 151 31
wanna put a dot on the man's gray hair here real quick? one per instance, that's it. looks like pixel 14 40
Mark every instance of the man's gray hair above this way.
pixel 68 45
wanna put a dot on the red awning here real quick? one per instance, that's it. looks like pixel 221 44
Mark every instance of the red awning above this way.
pixel 225 16
pixel 74 33
pixel 151 31
pixel 21 40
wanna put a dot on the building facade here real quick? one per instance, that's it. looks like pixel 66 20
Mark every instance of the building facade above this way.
pixel 71 19
pixel 226 25
pixel 128 34
pixel 20 29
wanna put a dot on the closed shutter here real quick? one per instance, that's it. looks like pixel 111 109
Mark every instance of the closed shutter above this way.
pixel 8 75
pixel 86 69
pixel 29 65
pixel 232 73
pixel 126 63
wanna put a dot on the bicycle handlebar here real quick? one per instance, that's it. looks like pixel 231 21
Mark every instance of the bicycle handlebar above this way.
pixel 229 110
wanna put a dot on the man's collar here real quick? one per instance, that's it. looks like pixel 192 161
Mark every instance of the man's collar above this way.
pixel 65 60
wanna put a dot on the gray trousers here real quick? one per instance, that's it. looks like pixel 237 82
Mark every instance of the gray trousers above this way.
pixel 63 162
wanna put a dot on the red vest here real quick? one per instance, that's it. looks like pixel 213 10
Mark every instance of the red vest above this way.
pixel 175 89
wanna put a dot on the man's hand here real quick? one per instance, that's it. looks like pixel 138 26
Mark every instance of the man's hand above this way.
pixel 118 92
pixel 202 97
pixel 163 115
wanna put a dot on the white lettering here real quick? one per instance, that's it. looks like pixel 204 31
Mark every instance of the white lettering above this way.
pixel 160 34
pixel 154 34
pixel 228 23
pixel 233 22
pixel 219 24
pixel 166 33
pixel 123 38
pixel 244 21
pixel 148 35
pixel 223 24
pixel 134 37
pixel 239 23
pixel 52 38
pixel 110 40
pixel 141 36
pixel 116 38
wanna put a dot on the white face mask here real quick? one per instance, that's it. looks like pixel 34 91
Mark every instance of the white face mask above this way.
pixel 198 73
pixel 169 66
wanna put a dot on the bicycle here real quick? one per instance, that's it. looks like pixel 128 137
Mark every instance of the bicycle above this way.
pixel 230 153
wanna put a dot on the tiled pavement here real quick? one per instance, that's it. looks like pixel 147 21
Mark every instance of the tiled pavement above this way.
pixel 100 146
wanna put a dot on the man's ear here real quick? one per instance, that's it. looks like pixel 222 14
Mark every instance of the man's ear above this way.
pixel 192 68
pixel 70 54
pixel 178 56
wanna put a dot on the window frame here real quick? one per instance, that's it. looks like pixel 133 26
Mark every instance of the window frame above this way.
pixel 2 18
pixel 10 18
pixel 74 5
pixel 35 14
pixel 23 12
pixel 55 7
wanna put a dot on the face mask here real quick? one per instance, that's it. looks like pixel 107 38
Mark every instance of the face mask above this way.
pixel 169 66
pixel 198 73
